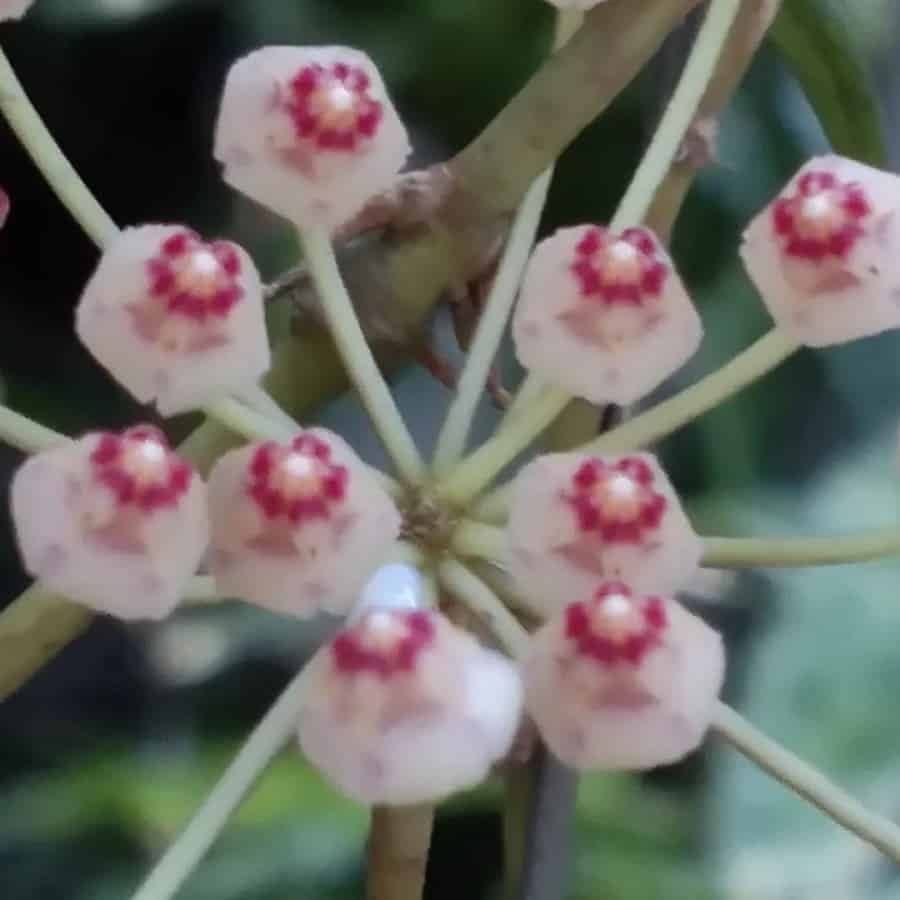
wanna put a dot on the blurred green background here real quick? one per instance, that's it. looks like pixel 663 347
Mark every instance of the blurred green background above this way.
pixel 104 755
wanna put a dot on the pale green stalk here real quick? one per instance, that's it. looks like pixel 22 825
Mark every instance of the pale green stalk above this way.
pixel 679 115
pixel 25 434
pixel 357 355
pixel 664 418
pixel 529 390
pixel 480 541
pixel 268 738
pixel 475 594
pixel 478 470
pixel 60 174
pixel 247 422
pixel 771 553
pixel 258 399
pixel 808 782
pixel 491 325
pixel 492 322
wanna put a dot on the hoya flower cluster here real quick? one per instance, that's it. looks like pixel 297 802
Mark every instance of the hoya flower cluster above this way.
pixel 402 706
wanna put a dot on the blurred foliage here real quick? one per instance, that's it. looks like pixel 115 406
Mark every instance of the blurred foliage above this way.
pixel 107 752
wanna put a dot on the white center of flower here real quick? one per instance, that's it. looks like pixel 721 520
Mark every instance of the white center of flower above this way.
pixel 816 207
pixel 616 605
pixel 340 99
pixel 298 465
pixel 623 252
pixel 621 486
pixel 152 452
pixel 204 263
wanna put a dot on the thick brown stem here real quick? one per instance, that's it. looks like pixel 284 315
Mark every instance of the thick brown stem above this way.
pixel 399 840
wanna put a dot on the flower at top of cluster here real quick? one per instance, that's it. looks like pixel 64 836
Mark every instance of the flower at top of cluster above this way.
pixel 14 9
pixel 576 517
pixel 604 316
pixel 309 132
pixel 173 319
pixel 116 522
pixel 623 680
pixel 403 707
pixel 299 527
pixel 825 254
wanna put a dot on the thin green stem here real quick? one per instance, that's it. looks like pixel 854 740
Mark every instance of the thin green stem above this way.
pixel 452 439
pixel 357 355
pixel 771 553
pixel 267 740
pixel 664 418
pixel 469 589
pixel 247 422
pixel 679 115
pixel 25 434
pixel 479 540
pixel 492 323
pixel 60 174
pixel 529 390
pixel 257 398
pixel 480 468
pixel 806 781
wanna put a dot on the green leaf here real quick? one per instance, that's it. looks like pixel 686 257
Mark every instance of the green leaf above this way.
pixel 822 43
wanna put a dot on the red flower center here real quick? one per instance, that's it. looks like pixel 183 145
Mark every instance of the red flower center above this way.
pixel 823 219
pixel 615 626
pixel 616 501
pixel 383 642
pixel 195 280
pixel 624 269
pixel 332 107
pixel 298 482
pixel 140 469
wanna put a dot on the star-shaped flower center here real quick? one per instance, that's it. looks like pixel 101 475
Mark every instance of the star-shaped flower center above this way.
pixel 140 469
pixel 822 220
pixel 614 626
pixel 298 482
pixel 332 107
pixel 616 501
pixel 383 642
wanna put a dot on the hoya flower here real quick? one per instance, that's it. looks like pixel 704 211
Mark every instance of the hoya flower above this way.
pixel 298 528
pixel 402 707
pixel 575 518
pixel 309 132
pixel 14 9
pixel 604 316
pixel 825 254
pixel 175 320
pixel 116 522
pixel 623 681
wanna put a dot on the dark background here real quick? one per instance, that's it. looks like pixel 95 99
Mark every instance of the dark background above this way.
pixel 104 755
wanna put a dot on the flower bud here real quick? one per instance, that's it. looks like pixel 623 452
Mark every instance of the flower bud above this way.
pixel 825 254
pixel 604 316
pixel 116 522
pixel 403 708
pixel 298 528
pixel 309 132
pixel 623 681
pixel 575 518
pixel 173 319
pixel 14 9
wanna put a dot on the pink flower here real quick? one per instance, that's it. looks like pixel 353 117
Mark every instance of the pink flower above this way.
pixel 825 254
pixel 298 528
pixel 175 320
pixel 575 518
pixel 402 707
pixel 309 132
pixel 14 9
pixel 623 681
pixel 604 316
pixel 117 522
